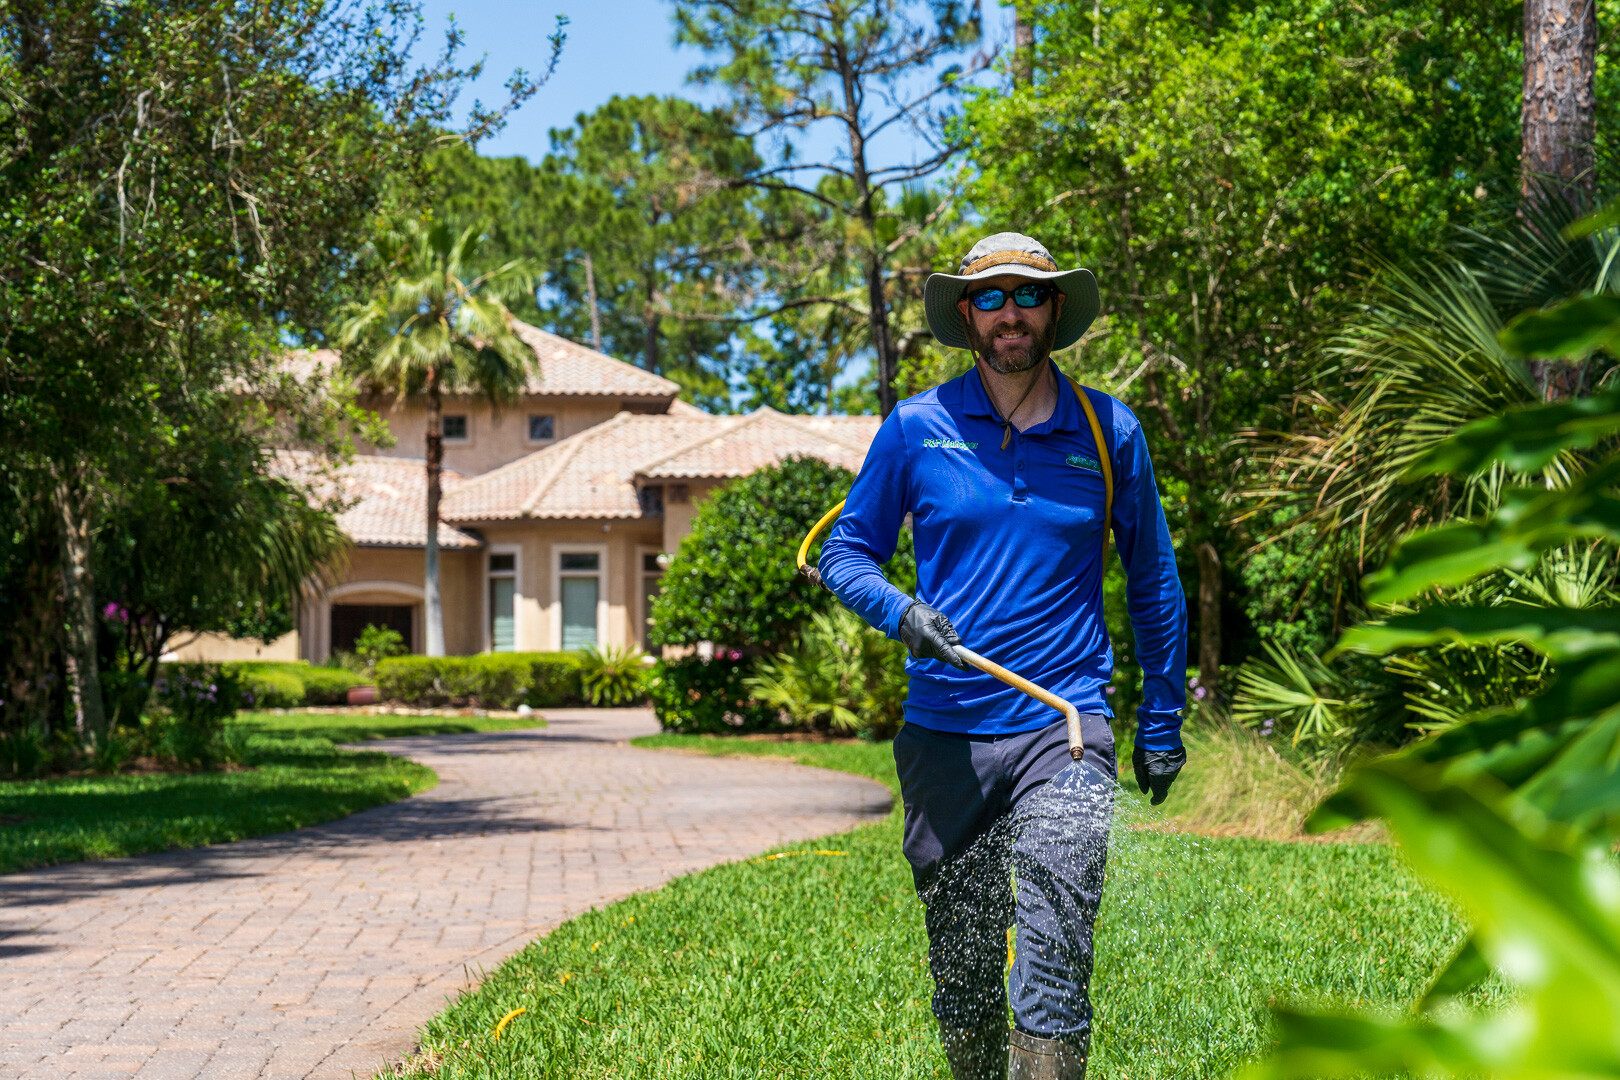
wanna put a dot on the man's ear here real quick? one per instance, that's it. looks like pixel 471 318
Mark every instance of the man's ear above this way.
pixel 962 306
pixel 1057 303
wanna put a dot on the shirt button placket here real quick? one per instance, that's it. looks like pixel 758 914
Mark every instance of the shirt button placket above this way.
pixel 1020 471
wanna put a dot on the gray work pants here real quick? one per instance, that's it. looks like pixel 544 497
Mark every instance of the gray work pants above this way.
pixel 979 811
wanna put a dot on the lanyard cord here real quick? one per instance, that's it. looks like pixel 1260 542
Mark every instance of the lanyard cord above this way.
pixel 1006 421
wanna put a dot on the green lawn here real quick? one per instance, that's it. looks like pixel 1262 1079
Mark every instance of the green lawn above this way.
pixel 297 777
pixel 813 966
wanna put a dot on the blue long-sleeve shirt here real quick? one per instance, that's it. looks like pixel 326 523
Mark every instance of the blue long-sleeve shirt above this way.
pixel 1009 545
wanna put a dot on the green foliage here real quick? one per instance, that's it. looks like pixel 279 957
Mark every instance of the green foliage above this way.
pixel 270 688
pixel 841 236
pixel 554 679
pixel 378 643
pixel 613 676
pixel 843 676
pixel 488 681
pixel 1222 169
pixel 709 697
pixel 190 705
pixel 734 581
pixel 327 686
pixel 169 227
pixel 315 685
pixel 1514 811
pixel 1325 710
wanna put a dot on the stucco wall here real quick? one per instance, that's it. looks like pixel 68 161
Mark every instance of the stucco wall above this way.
pixel 492 439
pixel 192 648
pixel 538 609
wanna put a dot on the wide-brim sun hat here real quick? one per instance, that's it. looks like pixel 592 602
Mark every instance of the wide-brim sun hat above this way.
pixel 1019 255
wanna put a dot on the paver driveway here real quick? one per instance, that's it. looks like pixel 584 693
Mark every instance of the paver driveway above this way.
pixel 317 953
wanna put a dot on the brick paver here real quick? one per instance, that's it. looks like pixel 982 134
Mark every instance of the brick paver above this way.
pixel 318 953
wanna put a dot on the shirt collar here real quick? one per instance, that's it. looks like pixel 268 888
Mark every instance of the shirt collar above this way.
pixel 1066 417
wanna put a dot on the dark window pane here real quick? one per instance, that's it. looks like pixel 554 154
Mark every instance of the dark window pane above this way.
pixel 542 427
pixel 455 426
pixel 580 560
pixel 498 563
pixel 652 500
pixel 348 620
pixel 678 493
pixel 649 563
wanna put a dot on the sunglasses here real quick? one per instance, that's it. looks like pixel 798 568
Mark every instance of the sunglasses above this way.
pixel 1025 296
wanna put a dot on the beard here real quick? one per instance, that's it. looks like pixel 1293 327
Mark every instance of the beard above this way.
pixel 1010 360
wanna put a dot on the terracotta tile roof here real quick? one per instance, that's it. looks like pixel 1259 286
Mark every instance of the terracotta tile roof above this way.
pixel 566 369
pixel 593 474
pixel 569 368
pixel 388 498
pixel 588 475
pixel 763 437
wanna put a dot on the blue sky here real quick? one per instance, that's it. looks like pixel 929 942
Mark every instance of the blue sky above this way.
pixel 614 47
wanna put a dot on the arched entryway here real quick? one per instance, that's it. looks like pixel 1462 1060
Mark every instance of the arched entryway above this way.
pixel 340 616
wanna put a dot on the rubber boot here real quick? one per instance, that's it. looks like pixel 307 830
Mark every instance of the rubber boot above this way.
pixel 1032 1058
pixel 978 1053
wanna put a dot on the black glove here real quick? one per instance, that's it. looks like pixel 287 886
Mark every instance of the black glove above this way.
pixel 1156 768
pixel 929 635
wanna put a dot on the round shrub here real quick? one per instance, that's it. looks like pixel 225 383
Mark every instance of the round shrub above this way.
pixel 734 581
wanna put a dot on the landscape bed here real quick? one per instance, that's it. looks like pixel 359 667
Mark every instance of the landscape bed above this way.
pixel 295 777
pixel 812 965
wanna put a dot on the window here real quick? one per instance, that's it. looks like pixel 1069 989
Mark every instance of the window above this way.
pixel 652 500
pixel 678 493
pixel 579 594
pixel 502 601
pixel 455 427
pixel 542 428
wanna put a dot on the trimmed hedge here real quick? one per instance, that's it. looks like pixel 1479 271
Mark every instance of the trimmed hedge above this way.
pixel 488 681
pixel 271 689
pixel 329 686
pixel 708 697
pixel 271 683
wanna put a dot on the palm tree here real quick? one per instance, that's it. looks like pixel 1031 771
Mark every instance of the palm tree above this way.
pixel 1416 362
pixel 438 326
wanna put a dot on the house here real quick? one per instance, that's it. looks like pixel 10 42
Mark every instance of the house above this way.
pixel 558 512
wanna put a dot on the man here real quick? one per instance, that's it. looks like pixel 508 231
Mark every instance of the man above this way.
pixel 1003 479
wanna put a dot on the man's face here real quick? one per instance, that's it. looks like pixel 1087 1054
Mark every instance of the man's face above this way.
pixel 1013 339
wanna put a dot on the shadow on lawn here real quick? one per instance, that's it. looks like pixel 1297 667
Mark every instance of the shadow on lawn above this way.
pixel 407 821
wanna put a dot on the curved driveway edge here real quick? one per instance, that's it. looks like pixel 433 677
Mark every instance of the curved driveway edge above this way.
pixel 320 952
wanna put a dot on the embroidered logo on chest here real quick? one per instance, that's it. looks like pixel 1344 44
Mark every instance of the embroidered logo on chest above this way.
pixel 1080 461
pixel 949 444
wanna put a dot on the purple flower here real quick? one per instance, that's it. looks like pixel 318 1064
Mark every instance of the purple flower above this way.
pixel 1199 693
pixel 734 654
pixel 1109 690
pixel 1265 728
pixel 115 611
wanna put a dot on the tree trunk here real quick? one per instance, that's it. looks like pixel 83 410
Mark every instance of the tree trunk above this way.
pixel 877 305
pixel 432 609
pixel 1560 106
pixel 652 321
pixel 596 312
pixel 1023 63
pixel 79 602
pixel 1209 619
pixel 882 346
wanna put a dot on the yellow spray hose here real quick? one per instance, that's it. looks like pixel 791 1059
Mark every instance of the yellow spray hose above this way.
pixel 1071 715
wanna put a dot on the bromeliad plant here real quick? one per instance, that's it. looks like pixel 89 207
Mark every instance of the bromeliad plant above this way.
pixel 1514 811
pixel 613 676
